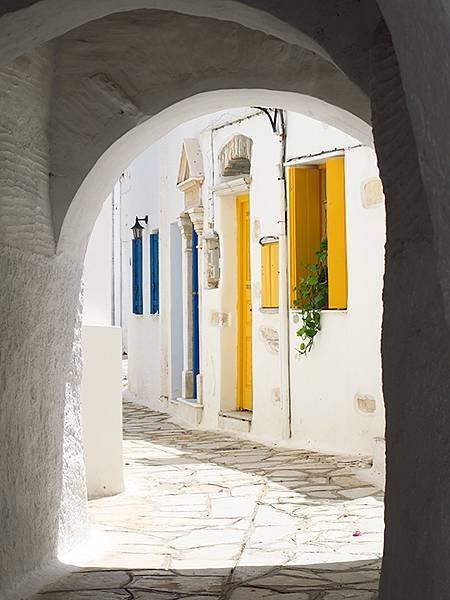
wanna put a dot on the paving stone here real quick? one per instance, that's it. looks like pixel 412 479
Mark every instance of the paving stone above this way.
pixel 269 516
pixel 232 507
pixel 350 595
pixel 359 492
pixel 246 593
pixel 208 537
pixel 140 595
pixel 206 516
pixel 94 580
pixel 181 584
pixel 90 595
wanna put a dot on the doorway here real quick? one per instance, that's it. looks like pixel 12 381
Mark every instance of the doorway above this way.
pixel 244 306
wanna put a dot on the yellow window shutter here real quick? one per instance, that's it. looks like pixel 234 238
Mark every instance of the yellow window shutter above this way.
pixel 337 238
pixel 274 274
pixel 265 279
pixel 269 275
pixel 305 222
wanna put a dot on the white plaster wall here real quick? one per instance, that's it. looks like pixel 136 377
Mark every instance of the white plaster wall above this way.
pixel 220 340
pixel 348 348
pixel 149 187
pixel 101 393
pixel 42 490
pixel 122 187
pixel 176 313
pixel 73 511
pixel 140 197
pixel 97 273
pixel 305 136
pixel 346 360
pixel 101 384
pixel 25 213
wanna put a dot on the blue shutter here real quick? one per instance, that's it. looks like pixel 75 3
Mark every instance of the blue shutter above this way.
pixel 154 273
pixel 138 308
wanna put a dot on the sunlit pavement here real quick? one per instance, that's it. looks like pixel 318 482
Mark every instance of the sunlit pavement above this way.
pixel 206 516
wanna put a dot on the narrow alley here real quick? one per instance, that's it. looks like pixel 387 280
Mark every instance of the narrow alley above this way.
pixel 208 516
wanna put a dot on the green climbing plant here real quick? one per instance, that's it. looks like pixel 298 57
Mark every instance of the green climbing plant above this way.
pixel 312 298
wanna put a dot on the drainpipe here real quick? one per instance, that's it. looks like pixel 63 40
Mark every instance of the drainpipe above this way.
pixel 278 122
pixel 283 282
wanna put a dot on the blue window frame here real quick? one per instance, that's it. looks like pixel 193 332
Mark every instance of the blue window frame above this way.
pixel 138 308
pixel 154 273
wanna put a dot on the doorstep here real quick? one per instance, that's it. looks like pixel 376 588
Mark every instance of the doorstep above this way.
pixel 187 410
pixel 236 420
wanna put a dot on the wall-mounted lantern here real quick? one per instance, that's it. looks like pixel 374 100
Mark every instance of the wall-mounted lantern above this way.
pixel 137 228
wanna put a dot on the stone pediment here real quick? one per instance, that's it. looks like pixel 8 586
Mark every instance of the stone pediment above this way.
pixel 190 170
pixel 235 157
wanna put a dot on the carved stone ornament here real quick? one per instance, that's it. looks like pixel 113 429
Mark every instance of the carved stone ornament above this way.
pixel 212 253
pixel 235 157
pixel 190 173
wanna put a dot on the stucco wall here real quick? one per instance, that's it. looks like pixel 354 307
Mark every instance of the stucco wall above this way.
pixel 101 383
pixel 41 479
pixel 101 394
pixel 345 362
pixel 140 197
pixel 97 270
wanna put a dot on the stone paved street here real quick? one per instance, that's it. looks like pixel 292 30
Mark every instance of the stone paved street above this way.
pixel 207 516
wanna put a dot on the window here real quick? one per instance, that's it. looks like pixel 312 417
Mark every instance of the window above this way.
pixel 269 275
pixel 138 308
pixel 154 273
pixel 317 210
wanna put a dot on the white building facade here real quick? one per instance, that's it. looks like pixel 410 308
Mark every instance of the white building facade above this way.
pixel 231 211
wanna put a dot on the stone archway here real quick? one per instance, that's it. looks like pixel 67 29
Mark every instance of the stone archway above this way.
pixel 58 131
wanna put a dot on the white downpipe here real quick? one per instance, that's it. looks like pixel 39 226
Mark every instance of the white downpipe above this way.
pixel 283 282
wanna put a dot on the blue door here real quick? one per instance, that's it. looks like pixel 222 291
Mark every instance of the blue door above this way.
pixel 195 312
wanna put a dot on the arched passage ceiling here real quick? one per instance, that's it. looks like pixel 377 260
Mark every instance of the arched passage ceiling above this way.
pixel 115 73
pixel 338 28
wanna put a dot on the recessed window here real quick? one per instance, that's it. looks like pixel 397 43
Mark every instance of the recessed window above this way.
pixel 317 213
pixel 138 308
pixel 269 275
pixel 154 273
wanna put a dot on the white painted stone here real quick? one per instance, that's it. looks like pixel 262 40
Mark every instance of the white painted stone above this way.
pixel 366 404
pixel 232 422
pixel 372 193
pixel 101 396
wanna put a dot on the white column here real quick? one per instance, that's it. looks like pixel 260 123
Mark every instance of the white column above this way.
pixel 187 384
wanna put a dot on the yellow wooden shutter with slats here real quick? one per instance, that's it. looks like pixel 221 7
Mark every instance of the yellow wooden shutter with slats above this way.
pixel 336 233
pixel 274 274
pixel 269 275
pixel 305 222
pixel 265 276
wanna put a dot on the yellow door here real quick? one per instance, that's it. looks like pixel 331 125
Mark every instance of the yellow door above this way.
pixel 244 306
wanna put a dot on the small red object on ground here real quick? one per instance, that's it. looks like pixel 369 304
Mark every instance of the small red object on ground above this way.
pixel 357 533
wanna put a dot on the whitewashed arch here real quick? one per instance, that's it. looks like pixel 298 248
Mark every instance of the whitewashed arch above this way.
pixel 86 205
